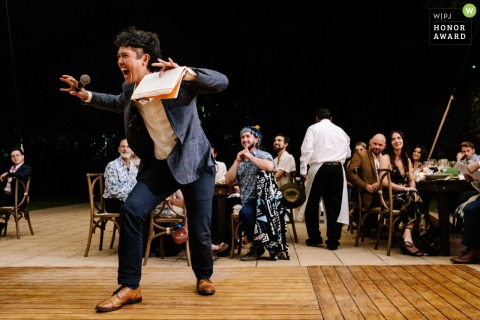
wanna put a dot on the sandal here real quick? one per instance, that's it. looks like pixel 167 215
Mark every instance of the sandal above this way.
pixel 408 249
pixel 220 245
pixel 223 251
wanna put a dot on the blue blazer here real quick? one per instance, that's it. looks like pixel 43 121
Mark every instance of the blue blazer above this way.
pixel 22 173
pixel 192 155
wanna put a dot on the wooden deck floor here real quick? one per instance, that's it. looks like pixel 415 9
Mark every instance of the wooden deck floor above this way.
pixel 315 292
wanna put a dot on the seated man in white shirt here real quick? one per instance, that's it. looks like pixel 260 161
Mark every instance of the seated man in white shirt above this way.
pixel 284 162
pixel 120 178
pixel 220 168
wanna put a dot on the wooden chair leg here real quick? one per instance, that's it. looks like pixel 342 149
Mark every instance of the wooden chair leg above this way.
pixel 292 222
pixel 113 235
pixel 102 231
pixel 27 216
pixel 149 240
pixel 89 241
pixel 236 235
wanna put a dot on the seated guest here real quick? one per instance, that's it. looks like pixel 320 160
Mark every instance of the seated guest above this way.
pixel 220 168
pixel 467 154
pixel 414 215
pixel 284 162
pixel 361 172
pixel 419 155
pixel 120 178
pixel 471 225
pixel 262 214
pixel 171 248
pixel 18 170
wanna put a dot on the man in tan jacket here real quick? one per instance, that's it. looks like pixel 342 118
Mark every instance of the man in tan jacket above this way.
pixel 362 173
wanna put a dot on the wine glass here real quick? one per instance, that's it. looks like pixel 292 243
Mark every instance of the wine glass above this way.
pixel 432 165
pixel 425 167
pixel 443 165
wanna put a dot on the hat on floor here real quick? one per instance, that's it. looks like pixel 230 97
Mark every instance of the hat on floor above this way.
pixel 293 195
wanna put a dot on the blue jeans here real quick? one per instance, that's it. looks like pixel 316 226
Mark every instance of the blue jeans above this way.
pixel 471 224
pixel 248 215
pixel 153 186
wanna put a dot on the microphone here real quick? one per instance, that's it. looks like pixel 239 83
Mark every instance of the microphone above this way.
pixel 84 80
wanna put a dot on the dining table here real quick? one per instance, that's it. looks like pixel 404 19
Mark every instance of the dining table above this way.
pixel 220 194
pixel 441 188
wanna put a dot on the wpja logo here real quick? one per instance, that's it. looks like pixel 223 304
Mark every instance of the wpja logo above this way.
pixel 451 26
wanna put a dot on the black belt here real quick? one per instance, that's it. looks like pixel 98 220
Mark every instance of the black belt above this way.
pixel 332 163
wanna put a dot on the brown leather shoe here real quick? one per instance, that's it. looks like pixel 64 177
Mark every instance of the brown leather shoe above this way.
pixel 122 296
pixel 205 287
pixel 468 256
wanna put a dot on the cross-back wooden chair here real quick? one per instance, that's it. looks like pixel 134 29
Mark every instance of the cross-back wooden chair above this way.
pixel 98 216
pixel 289 211
pixel 19 209
pixel 363 213
pixel 160 226
pixel 389 217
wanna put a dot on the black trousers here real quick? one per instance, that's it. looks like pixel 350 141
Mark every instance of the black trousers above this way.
pixel 328 183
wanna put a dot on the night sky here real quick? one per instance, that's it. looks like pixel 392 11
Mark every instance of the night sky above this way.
pixel 284 59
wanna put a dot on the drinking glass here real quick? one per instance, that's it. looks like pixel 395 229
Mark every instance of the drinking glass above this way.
pixel 443 165
pixel 425 167
pixel 432 165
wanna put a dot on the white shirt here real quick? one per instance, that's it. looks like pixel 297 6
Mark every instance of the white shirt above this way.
pixel 285 162
pixel 324 142
pixel 8 186
pixel 158 126
pixel 220 171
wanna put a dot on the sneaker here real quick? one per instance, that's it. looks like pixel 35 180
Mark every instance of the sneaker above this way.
pixel 253 253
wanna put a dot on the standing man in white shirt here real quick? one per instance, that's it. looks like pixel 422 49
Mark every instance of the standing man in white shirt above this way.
pixel 284 161
pixel 324 150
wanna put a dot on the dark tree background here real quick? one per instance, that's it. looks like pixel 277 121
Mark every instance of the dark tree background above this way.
pixel 369 62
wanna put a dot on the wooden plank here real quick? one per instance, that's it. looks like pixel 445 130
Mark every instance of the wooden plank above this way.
pixel 316 292
pixel 414 291
pixel 458 297
pixel 344 300
pixel 328 305
pixel 391 289
pixel 382 307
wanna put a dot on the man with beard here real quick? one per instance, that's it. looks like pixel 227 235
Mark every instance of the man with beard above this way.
pixel 120 178
pixel 244 170
pixel 362 174
pixel 285 162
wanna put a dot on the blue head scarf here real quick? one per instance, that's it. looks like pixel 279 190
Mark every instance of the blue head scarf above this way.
pixel 253 130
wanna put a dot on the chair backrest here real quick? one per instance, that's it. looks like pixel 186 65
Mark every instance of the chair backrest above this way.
pixel 385 199
pixel 21 202
pixel 95 192
pixel 22 189
pixel 160 226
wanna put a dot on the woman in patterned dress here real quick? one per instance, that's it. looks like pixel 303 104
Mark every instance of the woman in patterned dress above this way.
pixel 414 214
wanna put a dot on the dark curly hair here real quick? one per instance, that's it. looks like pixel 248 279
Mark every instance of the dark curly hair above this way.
pixel 143 41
